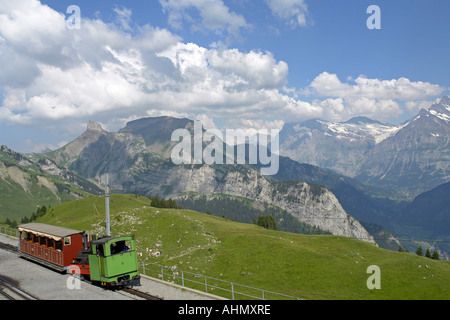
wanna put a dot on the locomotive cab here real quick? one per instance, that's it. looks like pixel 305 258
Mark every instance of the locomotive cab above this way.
pixel 113 261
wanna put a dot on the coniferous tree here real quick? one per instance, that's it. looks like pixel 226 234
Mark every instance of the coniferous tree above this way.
pixel 435 255
pixel 428 253
pixel 419 251
pixel 267 222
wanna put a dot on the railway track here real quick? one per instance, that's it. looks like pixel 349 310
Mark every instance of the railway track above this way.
pixel 10 290
pixel 8 247
pixel 141 294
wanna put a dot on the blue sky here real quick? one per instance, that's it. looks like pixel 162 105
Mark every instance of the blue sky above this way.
pixel 230 63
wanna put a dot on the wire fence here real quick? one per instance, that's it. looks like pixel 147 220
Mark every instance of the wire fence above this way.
pixel 218 287
pixel 13 232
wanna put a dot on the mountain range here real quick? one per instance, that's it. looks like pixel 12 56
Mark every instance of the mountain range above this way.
pixel 137 160
pixel 405 159
pixel 360 178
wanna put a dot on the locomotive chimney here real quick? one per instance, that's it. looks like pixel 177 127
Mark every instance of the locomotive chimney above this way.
pixel 108 231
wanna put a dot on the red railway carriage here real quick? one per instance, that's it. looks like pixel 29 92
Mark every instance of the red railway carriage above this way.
pixel 53 246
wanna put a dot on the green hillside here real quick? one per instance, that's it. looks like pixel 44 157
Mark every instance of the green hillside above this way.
pixel 19 197
pixel 305 266
pixel 25 184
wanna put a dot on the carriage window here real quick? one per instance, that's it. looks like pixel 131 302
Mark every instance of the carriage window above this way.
pixel 67 241
pixel 58 245
pixel 35 238
pixel 23 235
pixel 51 243
pixel 42 241
pixel 29 236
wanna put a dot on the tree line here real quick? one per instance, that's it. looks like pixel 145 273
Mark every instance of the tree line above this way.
pixel 158 202
pixel 40 211
pixel 419 252
pixel 428 254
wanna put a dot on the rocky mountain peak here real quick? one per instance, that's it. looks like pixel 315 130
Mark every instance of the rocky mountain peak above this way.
pixel 441 110
pixel 361 120
pixel 155 129
pixel 445 101
pixel 94 126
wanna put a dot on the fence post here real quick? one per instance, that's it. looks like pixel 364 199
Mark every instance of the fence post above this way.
pixel 232 291
pixel 206 286
pixel 182 278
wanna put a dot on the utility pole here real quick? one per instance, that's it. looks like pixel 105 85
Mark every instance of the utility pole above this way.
pixel 108 230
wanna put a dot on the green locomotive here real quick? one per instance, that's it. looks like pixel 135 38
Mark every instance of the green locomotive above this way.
pixel 113 261
pixel 109 261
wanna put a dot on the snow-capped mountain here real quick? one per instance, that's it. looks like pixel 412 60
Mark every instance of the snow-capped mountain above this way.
pixel 412 157
pixel 335 145
pixel 367 128
pixel 417 157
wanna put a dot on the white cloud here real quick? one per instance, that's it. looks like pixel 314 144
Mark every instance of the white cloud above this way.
pixel 379 99
pixel 327 84
pixel 332 109
pixel 206 121
pixel 215 16
pixel 374 108
pixel 29 33
pixel 259 124
pixel 292 11
pixel 124 17
pixel 104 73
pixel 230 69
pixel 32 27
pixel 258 69
pixel 416 105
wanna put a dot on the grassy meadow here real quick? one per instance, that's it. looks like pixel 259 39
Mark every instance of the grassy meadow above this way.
pixel 304 266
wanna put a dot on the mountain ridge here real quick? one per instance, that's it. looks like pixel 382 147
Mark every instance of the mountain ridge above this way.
pixel 407 159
